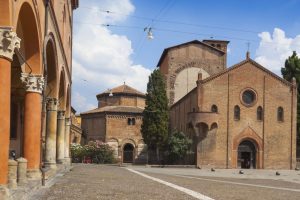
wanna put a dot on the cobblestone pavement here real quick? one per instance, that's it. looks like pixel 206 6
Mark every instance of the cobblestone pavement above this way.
pixel 113 182
pixel 229 184
pixel 105 182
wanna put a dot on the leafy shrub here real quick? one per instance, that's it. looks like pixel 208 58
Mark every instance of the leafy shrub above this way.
pixel 178 146
pixel 97 151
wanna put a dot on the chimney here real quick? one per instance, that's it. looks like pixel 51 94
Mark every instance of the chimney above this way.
pixel 248 55
pixel 199 76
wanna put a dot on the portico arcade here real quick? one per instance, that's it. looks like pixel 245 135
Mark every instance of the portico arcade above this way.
pixel 35 83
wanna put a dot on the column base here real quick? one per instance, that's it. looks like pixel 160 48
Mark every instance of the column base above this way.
pixel 34 174
pixel 60 161
pixel 68 161
pixel 51 165
pixel 4 192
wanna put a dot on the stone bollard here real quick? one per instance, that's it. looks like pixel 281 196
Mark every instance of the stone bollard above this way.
pixel 22 171
pixel 4 193
pixel 12 174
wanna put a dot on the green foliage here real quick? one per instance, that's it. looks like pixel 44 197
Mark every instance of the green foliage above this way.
pixel 178 145
pixel 97 151
pixel 292 70
pixel 156 115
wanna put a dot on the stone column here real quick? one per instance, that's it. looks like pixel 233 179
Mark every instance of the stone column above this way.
pixel 67 141
pixel 51 128
pixel 60 140
pixel 8 43
pixel 33 84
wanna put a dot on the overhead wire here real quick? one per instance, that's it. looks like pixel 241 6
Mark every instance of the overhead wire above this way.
pixel 167 30
pixel 177 22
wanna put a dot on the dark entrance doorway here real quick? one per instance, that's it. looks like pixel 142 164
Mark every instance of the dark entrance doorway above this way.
pixel 128 153
pixel 247 155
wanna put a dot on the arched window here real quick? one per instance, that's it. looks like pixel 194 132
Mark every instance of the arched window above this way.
pixel 214 108
pixel 133 121
pixel 129 121
pixel 259 113
pixel 280 114
pixel 237 112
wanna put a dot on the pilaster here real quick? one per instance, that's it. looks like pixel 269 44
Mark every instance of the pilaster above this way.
pixel 67 141
pixel 51 129
pixel 60 140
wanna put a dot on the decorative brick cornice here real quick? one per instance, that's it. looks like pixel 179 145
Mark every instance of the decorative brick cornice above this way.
pixel 33 82
pixel 52 104
pixel 8 42
pixel 61 114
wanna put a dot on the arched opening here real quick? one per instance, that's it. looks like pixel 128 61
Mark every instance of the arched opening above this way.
pixel 280 114
pixel 16 110
pixel 68 103
pixel 61 93
pixel 128 153
pixel 247 155
pixel 237 113
pixel 186 81
pixel 259 113
pixel 214 108
pixel 214 126
pixel 50 73
pixel 30 43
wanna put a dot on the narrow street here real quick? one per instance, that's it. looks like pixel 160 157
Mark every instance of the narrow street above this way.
pixel 139 182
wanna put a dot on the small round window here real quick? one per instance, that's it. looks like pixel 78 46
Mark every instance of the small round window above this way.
pixel 248 97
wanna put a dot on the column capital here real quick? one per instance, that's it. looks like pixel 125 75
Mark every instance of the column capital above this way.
pixel 68 121
pixel 52 104
pixel 33 82
pixel 8 42
pixel 61 114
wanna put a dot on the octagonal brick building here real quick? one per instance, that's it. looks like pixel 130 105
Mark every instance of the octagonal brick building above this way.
pixel 117 121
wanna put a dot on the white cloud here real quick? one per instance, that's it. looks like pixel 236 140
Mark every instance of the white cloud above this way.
pixel 274 49
pixel 81 102
pixel 101 57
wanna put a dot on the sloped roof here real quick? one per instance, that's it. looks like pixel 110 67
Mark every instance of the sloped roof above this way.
pixel 187 43
pixel 242 63
pixel 236 66
pixel 116 109
pixel 122 89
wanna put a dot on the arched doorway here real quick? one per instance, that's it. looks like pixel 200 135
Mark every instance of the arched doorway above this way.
pixel 128 153
pixel 247 155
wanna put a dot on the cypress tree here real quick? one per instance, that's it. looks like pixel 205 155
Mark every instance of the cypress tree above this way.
pixel 156 115
pixel 292 70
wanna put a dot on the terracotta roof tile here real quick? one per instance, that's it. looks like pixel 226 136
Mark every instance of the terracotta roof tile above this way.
pixel 122 89
pixel 115 109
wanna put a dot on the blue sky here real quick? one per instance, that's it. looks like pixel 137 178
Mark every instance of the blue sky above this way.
pixel 105 57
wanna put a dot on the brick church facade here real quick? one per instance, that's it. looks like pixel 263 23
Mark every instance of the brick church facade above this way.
pixel 117 121
pixel 243 116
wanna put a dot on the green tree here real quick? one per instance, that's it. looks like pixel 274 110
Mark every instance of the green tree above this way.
pixel 292 70
pixel 178 145
pixel 156 114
